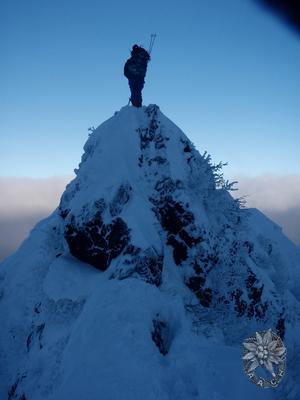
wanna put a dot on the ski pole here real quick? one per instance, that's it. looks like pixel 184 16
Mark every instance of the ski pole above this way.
pixel 152 39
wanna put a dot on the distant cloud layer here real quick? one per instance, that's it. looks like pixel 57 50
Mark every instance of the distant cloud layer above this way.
pixel 276 196
pixel 28 195
pixel 25 201
pixel 271 192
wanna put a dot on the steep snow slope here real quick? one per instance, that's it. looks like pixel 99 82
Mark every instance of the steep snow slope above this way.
pixel 146 279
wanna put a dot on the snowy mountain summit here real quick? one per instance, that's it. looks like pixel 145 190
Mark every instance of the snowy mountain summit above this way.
pixel 146 279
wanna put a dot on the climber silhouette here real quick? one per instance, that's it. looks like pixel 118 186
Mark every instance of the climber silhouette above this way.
pixel 135 70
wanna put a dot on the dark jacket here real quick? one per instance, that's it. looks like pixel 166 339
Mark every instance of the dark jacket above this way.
pixel 136 65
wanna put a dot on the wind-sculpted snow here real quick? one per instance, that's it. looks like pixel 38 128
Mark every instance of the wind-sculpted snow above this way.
pixel 146 279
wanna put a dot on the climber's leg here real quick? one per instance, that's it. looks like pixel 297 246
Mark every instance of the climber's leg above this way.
pixel 136 86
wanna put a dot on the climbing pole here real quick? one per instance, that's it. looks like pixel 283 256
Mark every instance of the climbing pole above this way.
pixel 152 40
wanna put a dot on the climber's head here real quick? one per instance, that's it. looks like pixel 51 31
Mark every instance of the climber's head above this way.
pixel 140 52
pixel 135 49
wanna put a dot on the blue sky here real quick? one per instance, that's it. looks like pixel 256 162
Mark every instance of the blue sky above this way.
pixel 226 71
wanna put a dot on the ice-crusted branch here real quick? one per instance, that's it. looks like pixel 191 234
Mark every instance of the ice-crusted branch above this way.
pixel 227 185
pixel 91 129
pixel 241 201
pixel 217 171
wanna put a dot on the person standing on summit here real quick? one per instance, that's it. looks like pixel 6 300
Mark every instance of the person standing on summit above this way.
pixel 135 70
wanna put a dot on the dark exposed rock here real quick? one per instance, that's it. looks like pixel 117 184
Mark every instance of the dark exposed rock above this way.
pixel 63 213
pixel 270 249
pixel 240 304
pixel 157 160
pixel 141 160
pixel 160 335
pixel 180 252
pixel 205 297
pixel 146 136
pixel 255 294
pixel 187 148
pixel 37 308
pixel 100 206
pixel 174 217
pixel 188 239
pixel 254 307
pixel 198 270
pixel 280 327
pixel 120 199
pixel 165 187
pixel 97 243
pixel 149 267
pixel 260 310
pixel 254 291
pixel 12 391
pixel 249 246
pixel 151 135
pixel 251 279
pixel 152 110
pixel 36 334
pixel 132 250
pixel 146 264
pixel 195 283
pixel 208 260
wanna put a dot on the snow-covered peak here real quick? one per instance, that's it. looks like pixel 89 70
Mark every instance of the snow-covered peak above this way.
pixel 146 279
pixel 123 147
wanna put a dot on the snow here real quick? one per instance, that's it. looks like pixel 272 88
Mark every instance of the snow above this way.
pixel 70 279
pixel 125 364
pixel 69 330
pixel 289 257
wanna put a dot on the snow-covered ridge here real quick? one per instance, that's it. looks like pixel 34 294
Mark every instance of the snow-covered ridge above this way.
pixel 146 279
